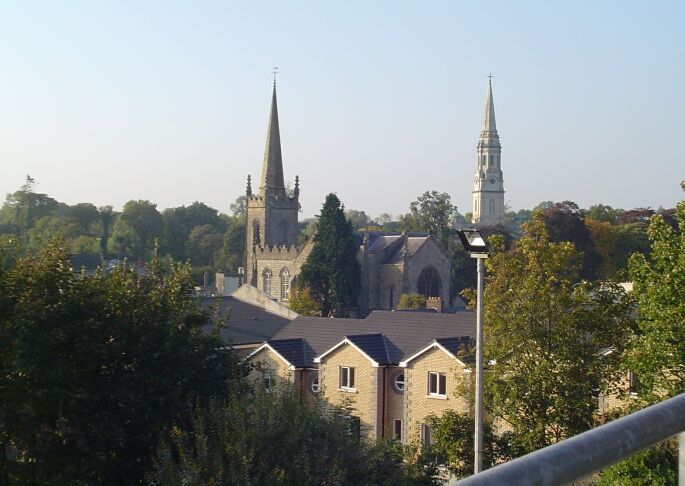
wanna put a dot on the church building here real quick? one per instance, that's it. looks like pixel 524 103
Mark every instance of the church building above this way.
pixel 392 264
pixel 488 182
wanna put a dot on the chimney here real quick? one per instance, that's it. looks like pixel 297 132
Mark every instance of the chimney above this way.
pixel 434 303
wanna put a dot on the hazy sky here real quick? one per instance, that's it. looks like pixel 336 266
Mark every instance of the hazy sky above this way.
pixel 378 101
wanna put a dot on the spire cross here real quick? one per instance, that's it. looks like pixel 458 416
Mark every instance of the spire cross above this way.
pixel 490 78
pixel 275 71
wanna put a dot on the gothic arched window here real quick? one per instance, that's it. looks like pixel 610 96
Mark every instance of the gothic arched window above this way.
pixel 484 159
pixel 283 232
pixel 285 284
pixel 429 282
pixel 266 281
pixel 256 240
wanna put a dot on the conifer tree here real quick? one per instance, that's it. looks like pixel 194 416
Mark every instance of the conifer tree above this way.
pixel 331 272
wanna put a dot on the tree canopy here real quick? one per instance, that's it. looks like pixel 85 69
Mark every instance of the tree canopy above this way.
pixel 331 271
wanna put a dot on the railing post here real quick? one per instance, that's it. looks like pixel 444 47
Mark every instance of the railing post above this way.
pixel 681 459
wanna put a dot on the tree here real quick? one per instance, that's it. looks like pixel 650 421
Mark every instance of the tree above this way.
pixel 432 211
pixel 272 438
pixel 657 350
pixel 452 447
pixel 384 219
pixel 202 244
pixel 544 332
pixel 600 212
pixel 106 220
pixel 239 207
pixel 331 271
pixel 24 207
pixel 94 368
pixel 85 215
pixel 301 302
pixel 564 222
pixel 145 220
pixel 412 302
pixel 358 219
pixel 233 249
pixel 124 240
pixel 604 238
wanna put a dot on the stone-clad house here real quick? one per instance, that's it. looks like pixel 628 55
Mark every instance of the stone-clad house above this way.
pixel 393 368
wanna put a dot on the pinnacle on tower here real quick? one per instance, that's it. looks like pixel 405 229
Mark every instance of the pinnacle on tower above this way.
pixel 489 119
pixel 272 171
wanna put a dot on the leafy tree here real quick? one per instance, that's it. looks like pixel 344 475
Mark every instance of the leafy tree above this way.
pixel 657 350
pixel 145 220
pixel 636 215
pixel 124 240
pixel 202 244
pixel 233 249
pixel 544 332
pixel 272 438
pixel 239 207
pixel 630 238
pixel 656 466
pixel 604 239
pixel 452 446
pixel 384 219
pixel 331 271
pixel 432 211
pixel 411 302
pixel 358 219
pixel 93 369
pixel 85 215
pixel 600 212
pixel 301 301
pixel 106 220
pixel 564 222
pixel 24 207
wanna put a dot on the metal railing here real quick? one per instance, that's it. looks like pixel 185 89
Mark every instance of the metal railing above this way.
pixel 591 451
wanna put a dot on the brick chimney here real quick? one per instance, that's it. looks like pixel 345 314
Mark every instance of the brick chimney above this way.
pixel 434 303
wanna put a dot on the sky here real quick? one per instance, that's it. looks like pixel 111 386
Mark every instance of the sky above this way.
pixel 380 101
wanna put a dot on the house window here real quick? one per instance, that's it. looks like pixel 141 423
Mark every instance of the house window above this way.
pixel 346 377
pixel 268 381
pixel 398 382
pixel 285 284
pixel 266 281
pixel 426 438
pixel 632 384
pixel 315 386
pixel 437 384
pixel 397 429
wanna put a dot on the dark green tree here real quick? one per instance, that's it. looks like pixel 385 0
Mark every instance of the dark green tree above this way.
pixel 106 221
pixel 204 242
pixel 233 249
pixel 145 220
pixel 331 272
pixel 94 368
pixel 432 211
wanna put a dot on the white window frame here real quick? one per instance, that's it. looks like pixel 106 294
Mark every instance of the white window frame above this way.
pixel 346 378
pixel 426 435
pixel 399 385
pixel 315 384
pixel 439 378
pixel 268 380
pixel 284 280
pixel 395 424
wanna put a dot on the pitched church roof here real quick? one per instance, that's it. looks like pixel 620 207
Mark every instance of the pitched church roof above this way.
pixel 272 170
pixel 489 124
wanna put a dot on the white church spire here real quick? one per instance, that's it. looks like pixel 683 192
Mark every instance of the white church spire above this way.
pixel 488 182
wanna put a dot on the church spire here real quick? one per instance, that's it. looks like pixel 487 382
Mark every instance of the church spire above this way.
pixel 489 119
pixel 272 171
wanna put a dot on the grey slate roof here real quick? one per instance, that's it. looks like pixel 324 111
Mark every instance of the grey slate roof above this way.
pixel 294 350
pixel 412 246
pixel 462 347
pixel 405 333
pixel 247 323
pixel 374 345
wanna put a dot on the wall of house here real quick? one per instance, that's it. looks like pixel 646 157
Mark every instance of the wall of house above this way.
pixel 365 399
pixel 394 400
pixel 418 404
pixel 268 359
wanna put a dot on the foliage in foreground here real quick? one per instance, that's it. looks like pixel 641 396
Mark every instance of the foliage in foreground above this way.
pixel 544 331
pixel 272 438
pixel 92 369
pixel 657 466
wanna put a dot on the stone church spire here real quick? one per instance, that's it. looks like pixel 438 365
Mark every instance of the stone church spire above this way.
pixel 488 182
pixel 272 170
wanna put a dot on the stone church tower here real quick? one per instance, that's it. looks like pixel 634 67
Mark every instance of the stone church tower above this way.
pixel 272 213
pixel 488 183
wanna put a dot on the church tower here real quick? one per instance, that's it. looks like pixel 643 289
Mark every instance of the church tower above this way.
pixel 271 213
pixel 488 183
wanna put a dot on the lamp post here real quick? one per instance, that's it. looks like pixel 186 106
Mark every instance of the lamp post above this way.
pixel 475 245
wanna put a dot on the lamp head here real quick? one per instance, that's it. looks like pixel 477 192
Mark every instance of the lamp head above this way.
pixel 473 242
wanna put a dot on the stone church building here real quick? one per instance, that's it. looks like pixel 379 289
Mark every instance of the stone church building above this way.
pixel 392 264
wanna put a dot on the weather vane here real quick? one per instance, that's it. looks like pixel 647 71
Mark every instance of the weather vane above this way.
pixel 275 71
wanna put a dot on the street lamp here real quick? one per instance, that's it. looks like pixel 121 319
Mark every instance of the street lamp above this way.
pixel 475 245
